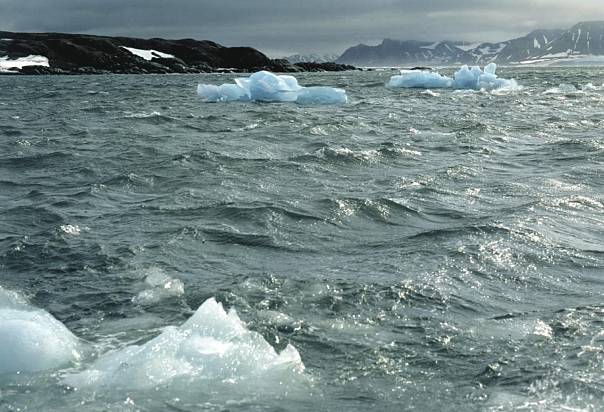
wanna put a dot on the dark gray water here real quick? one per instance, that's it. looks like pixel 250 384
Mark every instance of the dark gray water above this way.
pixel 420 251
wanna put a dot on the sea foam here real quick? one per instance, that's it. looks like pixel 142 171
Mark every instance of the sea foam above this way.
pixel 466 78
pixel 31 339
pixel 265 86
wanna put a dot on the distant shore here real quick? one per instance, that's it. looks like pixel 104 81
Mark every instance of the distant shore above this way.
pixel 73 54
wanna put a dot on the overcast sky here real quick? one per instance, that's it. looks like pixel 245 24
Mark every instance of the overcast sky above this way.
pixel 282 27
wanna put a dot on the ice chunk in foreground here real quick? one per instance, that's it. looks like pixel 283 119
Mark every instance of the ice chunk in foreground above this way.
pixel 265 86
pixel 32 339
pixel 465 78
pixel 211 348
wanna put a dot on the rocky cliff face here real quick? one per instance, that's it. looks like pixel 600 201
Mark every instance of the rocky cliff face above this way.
pixel 584 39
pixel 85 54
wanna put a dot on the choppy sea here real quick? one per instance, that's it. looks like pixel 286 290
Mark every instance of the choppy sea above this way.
pixel 410 250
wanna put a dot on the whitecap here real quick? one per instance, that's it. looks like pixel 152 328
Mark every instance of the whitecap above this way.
pixel 71 229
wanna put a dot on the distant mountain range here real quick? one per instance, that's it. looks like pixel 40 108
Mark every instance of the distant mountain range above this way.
pixel 583 43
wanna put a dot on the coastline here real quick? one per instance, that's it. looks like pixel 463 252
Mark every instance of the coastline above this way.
pixel 81 54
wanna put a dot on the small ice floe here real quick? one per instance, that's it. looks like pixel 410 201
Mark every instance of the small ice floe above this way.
pixel 265 86
pixel 160 287
pixel 10 65
pixel 465 78
pixel 32 339
pixel 212 349
pixel 148 54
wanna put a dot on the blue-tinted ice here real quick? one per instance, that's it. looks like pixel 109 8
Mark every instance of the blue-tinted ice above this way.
pixel 469 78
pixel 31 339
pixel 265 86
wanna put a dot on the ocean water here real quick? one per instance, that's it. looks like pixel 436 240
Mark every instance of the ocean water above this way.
pixel 410 250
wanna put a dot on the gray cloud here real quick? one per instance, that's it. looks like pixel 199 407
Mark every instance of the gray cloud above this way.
pixel 287 26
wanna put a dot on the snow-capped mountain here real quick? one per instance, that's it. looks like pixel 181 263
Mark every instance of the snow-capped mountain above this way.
pixel 540 46
pixel 395 52
pixel 582 41
pixel 515 50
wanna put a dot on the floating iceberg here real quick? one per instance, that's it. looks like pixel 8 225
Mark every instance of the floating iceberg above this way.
pixel 265 86
pixel 421 80
pixel 210 349
pixel 465 78
pixel 31 339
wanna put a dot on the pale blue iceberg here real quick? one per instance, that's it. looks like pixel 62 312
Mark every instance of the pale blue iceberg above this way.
pixel 421 80
pixel 224 93
pixel 268 87
pixel 32 339
pixel 321 95
pixel 465 78
pixel 265 86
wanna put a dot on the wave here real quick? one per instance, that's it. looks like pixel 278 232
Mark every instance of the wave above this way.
pixel 37 161
pixel 347 155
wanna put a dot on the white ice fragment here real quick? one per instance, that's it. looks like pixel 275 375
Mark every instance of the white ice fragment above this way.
pixel 31 339
pixel 148 54
pixel 213 347
pixel 265 86
pixel 224 93
pixel 465 78
pixel 161 286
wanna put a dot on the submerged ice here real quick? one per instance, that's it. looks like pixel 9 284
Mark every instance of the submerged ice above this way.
pixel 213 347
pixel 32 339
pixel 468 78
pixel 265 86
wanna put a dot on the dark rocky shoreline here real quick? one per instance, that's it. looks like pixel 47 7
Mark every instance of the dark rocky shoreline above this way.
pixel 88 54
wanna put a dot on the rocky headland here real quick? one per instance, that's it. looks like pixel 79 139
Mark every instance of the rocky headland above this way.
pixel 60 53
